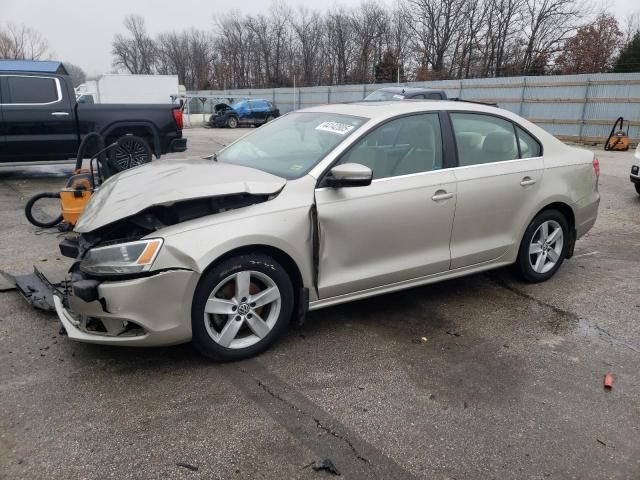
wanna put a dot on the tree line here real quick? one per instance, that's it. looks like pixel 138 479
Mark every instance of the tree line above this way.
pixel 375 42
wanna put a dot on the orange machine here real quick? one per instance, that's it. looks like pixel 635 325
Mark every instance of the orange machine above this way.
pixel 618 139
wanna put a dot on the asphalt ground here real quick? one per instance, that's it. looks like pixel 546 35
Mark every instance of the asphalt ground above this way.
pixel 479 377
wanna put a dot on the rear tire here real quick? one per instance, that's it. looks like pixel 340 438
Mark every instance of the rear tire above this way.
pixel 131 152
pixel 543 247
pixel 637 185
pixel 28 211
pixel 240 307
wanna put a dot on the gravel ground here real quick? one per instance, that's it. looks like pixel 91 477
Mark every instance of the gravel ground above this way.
pixel 507 385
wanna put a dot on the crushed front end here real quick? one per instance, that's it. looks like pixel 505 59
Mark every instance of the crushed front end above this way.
pixel 116 303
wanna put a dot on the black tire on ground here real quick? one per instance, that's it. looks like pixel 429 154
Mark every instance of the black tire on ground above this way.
pixel 232 122
pixel 637 185
pixel 28 211
pixel 269 118
pixel 220 274
pixel 523 263
pixel 131 152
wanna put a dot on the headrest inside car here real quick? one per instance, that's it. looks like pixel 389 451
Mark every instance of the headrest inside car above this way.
pixel 499 142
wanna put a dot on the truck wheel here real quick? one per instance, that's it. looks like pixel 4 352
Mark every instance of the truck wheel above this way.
pixel 240 307
pixel 130 152
pixel 232 122
pixel 38 220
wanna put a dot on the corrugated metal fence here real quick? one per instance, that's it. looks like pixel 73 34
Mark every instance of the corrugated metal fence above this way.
pixel 573 107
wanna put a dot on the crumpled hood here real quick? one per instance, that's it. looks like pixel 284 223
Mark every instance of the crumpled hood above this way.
pixel 164 182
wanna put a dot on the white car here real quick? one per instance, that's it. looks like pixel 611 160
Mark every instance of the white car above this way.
pixel 320 207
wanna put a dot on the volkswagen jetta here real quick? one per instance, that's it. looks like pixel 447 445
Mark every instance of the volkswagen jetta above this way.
pixel 319 207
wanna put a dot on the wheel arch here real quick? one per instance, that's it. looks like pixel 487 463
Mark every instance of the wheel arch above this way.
pixel 282 257
pixel 567 211
pixel 143 130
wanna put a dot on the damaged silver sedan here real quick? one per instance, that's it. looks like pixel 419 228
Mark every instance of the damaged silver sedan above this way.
pixel 322 206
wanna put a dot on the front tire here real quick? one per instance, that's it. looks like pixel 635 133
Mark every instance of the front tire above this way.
pixel 543 247
pixel 232 122
pixel 240 307
pixel 637 185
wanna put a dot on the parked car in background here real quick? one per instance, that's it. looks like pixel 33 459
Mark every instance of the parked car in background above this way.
pixel 405 93
pixel 245 112
pixel 40 119
pixel 323 206
pixel 635 170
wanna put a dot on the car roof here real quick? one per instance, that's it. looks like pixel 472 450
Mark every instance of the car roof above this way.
pixel 387 109
pixel 407 90
pixel 32 66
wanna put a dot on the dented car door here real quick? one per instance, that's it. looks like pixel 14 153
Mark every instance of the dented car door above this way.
pixel 398 227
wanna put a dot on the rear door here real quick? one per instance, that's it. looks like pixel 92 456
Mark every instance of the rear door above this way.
pixel 499 172
pixel 38 119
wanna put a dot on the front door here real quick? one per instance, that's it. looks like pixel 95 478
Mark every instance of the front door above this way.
pixel 38 119
pixel 499 175
pixel 399 227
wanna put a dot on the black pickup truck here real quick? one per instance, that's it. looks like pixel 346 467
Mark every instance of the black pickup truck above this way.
pixel 40 120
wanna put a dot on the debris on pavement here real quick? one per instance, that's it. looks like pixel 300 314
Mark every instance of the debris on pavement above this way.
pixel 193 468
pixel 608 381
pixel 601 442
pixel 327 465
pixel 453 333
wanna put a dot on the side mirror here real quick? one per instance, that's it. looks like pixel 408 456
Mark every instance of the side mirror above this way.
pixel 349 175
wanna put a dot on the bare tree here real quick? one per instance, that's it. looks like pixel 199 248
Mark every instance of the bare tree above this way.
pixel 549 23
pixel 19 42
pixel 76 73
pixel 136 53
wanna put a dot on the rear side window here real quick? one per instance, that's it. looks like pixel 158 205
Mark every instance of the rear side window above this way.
pixel 529 146
pixel 483 139
pixel 34 90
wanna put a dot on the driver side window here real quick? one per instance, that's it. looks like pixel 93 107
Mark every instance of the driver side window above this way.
pixel 403 146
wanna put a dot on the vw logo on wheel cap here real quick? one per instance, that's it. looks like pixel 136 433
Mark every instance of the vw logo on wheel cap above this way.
pixel 244 308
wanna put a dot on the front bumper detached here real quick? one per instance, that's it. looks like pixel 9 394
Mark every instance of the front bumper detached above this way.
pixel 150 311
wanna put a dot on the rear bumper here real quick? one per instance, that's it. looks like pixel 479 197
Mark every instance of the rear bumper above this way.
pixel 178 145
pixel 149 311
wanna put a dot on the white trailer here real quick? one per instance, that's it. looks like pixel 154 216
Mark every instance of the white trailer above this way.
pixel 127 88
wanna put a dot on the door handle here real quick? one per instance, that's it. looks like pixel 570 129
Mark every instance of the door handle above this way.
pixel 526 181
pixel 60 114
pixel 441 195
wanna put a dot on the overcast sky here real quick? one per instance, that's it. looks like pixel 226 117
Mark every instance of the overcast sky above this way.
pixel 81 31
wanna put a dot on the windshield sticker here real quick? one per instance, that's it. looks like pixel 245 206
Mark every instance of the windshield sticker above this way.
pixel 335 127
pixel 398 97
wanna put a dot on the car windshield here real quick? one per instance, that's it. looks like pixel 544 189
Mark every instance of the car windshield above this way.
pixel 293 144
pixel 382 95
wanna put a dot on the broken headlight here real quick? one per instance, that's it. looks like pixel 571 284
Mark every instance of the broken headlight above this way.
pixel 122 259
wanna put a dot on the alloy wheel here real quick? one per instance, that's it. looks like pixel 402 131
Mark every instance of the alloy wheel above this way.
pixel 242 309
pixel 130 153
pixel 545 249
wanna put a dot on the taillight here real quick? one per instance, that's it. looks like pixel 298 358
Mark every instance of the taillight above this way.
pixel 596 167
pixel 177 117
